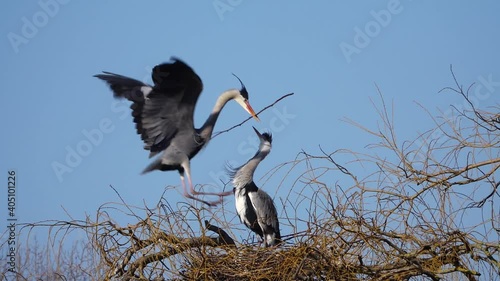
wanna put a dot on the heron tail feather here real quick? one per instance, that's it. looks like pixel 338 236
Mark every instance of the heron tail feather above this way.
pixel 155 165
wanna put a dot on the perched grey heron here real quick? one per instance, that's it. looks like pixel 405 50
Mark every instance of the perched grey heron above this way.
pixel 163 114
pixel 254 206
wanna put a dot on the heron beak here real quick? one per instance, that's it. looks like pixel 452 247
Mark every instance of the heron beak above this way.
pixel 251 111
pixel 257 132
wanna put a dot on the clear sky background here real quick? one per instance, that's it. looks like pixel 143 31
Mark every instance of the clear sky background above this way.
pixel 51 49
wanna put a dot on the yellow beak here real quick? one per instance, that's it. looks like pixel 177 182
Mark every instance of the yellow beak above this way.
pixel 251 111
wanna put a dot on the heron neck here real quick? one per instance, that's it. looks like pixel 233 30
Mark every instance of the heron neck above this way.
pixel 208 127
pixel 244 175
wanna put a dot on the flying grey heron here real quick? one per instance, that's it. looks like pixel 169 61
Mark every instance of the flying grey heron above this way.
pixel 254 206
pixel 163 114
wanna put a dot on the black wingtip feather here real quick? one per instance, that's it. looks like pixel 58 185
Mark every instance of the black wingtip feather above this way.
pixel 122 86
pixel 173 72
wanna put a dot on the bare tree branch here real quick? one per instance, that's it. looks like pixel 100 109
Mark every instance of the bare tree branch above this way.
pixel 423 208
pixel 244 121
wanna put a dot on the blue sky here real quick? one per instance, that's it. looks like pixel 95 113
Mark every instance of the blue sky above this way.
pixel 329 53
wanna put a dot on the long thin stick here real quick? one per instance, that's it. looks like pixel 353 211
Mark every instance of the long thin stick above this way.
pixel 244 121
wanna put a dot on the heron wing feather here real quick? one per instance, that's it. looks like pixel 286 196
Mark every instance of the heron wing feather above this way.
pixel 169 108
pixel 267 216
pixel 162 110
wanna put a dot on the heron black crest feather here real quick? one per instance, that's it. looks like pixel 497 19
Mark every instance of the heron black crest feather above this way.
pixel 243 89
pixel 267 136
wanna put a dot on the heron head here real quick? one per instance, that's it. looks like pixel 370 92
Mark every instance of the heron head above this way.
pixel 266 139
pixel 242 99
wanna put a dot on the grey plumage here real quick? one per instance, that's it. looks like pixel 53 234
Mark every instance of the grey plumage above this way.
pixel 163 114
pixel 254 206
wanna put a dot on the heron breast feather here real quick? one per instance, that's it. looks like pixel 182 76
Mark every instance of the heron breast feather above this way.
pixel 241 209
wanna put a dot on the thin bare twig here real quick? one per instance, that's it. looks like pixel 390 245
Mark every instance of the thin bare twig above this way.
pixel 244 121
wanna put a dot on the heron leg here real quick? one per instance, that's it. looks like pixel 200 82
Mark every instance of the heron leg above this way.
pixel 187 170
pixel 187 195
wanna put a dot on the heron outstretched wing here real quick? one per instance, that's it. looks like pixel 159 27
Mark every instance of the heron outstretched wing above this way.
pixel 162 110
